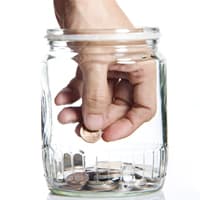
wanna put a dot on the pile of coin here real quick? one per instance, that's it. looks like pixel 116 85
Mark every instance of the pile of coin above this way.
pixel 105 176
pixel 101 179
pixel 77 180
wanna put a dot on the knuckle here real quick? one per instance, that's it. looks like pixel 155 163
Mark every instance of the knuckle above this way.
pixel 96 102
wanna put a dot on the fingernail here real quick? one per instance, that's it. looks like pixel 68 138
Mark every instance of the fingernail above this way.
pixel 93 122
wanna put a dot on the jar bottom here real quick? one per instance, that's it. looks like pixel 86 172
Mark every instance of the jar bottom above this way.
pixel 113 185
pixel 107 178
pixel 147 188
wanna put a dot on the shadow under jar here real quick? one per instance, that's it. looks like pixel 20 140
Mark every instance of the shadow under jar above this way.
pixel 130 166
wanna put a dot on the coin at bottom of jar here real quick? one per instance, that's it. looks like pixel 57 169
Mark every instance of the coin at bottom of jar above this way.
pixel 102 174
pixel 102 185
pixel 78 178
pixel 90 136
pixel 72 187
pixel 128 187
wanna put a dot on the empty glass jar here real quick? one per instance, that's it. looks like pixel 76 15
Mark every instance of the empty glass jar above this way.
pixel 74 166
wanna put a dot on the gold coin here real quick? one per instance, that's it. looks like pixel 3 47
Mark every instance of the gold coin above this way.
pixel 90 136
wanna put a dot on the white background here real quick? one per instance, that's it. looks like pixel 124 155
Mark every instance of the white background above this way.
pixel 22 28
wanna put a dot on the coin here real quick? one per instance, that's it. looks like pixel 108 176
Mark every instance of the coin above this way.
pixel 103 174
pixel 101 186
pixel 65 186
pixel 71 187
pixel 78 178
pixel 90 136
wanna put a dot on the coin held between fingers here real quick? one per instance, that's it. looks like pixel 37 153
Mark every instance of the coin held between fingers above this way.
pixel 90 136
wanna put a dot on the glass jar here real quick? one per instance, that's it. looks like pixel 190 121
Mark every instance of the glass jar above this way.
pixel 74 166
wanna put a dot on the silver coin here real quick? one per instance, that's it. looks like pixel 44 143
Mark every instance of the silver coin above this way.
pixel 110 174
pixel 103 175
pixel 71 187
pixel 102 185
pixel 90 136
pixel 78 178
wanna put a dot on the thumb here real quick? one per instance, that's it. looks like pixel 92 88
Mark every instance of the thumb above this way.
pixel 95 95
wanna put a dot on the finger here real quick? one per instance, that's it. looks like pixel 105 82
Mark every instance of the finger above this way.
pixel 114 111
pixel 142 75
pixel 70 115
pixel 78 129
pixel 123 93
pixel 71 92
pixel 144 103
pixel 129 68
pixel 95 94
pixel 117 75
pixel 121 102
pixel 127 125
pixel 144 83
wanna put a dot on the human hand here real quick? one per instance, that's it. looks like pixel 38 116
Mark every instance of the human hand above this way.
pixel 117 98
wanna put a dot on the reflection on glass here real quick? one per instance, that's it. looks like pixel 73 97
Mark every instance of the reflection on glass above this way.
pixel 154 196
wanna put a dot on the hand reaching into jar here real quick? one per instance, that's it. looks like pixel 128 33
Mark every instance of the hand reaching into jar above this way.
pixel 116 97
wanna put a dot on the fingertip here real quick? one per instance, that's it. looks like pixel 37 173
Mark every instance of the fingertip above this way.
pixel 117 131
pixel 106 139
pixel 69 115
pixel 62 118
pixel 109 137
pixel 64 96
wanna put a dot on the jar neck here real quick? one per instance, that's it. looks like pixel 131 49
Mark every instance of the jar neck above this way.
pixel 104 41
pixel 56 45
pixel 122 51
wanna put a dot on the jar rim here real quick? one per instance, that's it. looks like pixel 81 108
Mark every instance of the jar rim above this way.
pixel 135 34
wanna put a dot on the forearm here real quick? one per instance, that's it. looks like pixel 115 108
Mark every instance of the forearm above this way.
pixel 90 14
pixel 95 14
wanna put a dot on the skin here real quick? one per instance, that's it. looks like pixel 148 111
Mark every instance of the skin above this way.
pixel 117 106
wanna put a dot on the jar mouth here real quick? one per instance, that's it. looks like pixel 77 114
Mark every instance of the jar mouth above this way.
pixel 135 34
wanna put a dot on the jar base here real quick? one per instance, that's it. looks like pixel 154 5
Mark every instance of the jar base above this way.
pixel 122 191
